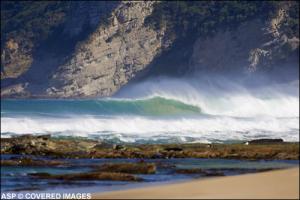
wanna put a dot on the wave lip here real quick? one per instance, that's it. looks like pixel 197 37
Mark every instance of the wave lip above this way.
pixel 178 112
pixel 154 106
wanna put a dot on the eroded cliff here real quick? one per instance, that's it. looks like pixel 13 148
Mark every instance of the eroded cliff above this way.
pixel 88 49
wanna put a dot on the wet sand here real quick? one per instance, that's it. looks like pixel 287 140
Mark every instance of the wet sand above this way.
pixel 279 184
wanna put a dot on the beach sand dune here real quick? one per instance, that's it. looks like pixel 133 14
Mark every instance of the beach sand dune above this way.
pixel 280 184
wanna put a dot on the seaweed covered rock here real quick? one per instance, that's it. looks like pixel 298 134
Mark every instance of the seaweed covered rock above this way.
pixel 31 162
pixel 70 147
pixel 202 172
pixel 265 141
pixel 189 171
pixel 45 145
pixel 131 168
pixel 111 176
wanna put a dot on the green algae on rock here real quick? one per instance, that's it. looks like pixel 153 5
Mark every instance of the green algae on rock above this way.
pixel 112 176
pixel 87 148
pixel 130 168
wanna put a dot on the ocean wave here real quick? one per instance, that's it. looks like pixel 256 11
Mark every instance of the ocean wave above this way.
pixel 129 128
pixel 155 106
pixel 222 97
pixel 164 111
pixel 161 104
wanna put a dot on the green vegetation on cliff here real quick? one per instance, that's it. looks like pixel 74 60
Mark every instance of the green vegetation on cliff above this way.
pixel 45 38
pixel 24 26
pixel 32 20
pixel 203 17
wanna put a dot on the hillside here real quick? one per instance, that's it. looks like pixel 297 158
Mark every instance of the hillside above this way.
pixel 64 49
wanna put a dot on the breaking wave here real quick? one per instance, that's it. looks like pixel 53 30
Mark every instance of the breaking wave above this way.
pixel 164 111
pixel 150 106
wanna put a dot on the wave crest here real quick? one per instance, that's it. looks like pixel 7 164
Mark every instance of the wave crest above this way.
pixel 155 106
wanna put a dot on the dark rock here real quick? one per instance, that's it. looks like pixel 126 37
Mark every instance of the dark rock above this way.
pixel 44 137
pixel 130 168
pixel 157 156
pixel 119 147
pixel 165 165
pixel 204 172
pixel 18 148
pixel 25 136
pixel 31 162
pixel 111 176
pixel 214 173
pixel 265 169
pixel 189 171
pixel 173 149
pixel 40 174
pixel 85 148
pixel 265 141
pixel 104 145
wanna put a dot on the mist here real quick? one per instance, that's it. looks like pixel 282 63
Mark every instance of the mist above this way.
pixel 220 95
pixel 195 108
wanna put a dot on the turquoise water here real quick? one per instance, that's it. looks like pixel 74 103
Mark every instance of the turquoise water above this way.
pixel 156 106
pixel 17 178
pixel 155 119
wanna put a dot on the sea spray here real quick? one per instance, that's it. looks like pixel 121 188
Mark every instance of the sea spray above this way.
pixel 165 110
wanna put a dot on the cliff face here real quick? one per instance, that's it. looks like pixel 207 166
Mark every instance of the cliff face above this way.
pixel 255 45
pixel 22 31
pixel 112 54
pixel 94 48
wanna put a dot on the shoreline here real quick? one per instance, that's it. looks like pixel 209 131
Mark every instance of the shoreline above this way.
pixel 46 145
pixel 277 184
pixel 82 161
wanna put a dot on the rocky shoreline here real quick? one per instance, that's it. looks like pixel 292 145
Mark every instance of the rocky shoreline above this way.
pixel 80 158
pixel 131 171
pixel 53 147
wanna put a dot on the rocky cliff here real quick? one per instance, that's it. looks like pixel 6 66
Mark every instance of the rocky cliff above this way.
pixel 254 45
pixel 88 49
pixel 112 54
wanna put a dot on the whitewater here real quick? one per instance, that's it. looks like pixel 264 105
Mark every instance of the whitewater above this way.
pixel 164 110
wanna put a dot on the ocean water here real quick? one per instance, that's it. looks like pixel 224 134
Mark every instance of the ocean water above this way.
pixel 164 111
pixel 17 179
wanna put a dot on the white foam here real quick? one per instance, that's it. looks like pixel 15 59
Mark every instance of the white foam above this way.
pixel 224 97
pixel 237 113
pixel 217 128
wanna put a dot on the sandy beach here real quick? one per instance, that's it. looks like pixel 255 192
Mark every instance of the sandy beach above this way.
pixel 280 184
